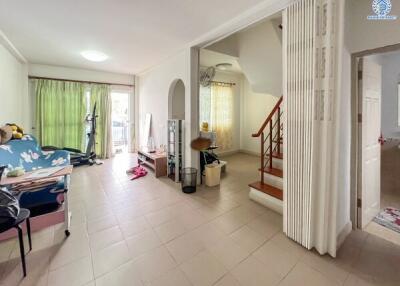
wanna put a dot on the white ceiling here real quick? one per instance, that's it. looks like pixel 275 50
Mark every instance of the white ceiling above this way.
pixel 210 58
pixel 136 34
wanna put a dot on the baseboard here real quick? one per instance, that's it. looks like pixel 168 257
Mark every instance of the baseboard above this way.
pixel 266 200
pixel 227 153
pixel 343 234
pixel 248 152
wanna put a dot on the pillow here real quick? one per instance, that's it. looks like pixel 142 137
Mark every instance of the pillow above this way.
pixel 6 134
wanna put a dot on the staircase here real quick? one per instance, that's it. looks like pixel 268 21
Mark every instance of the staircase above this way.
pixel 268 191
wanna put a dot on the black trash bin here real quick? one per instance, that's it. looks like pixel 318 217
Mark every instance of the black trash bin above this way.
pixel 189 180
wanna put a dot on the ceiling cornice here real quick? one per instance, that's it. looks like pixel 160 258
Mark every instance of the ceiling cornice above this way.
pixel 11 48
pixel 240 22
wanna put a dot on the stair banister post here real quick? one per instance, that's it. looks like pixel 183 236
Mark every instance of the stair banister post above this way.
pixel 270 143
pixel 279 131
pixel 262 158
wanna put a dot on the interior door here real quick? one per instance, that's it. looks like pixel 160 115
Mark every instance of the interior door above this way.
pixel 371 91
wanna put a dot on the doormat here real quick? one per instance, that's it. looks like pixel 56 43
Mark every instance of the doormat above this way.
pixel 390 218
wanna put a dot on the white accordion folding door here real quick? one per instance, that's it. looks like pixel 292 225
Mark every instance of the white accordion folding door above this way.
pixel 310 73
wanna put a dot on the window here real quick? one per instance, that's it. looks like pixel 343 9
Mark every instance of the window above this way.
pixel 216 108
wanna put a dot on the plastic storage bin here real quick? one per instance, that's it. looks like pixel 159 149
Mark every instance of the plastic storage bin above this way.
pixel 213 174
pixel 189 180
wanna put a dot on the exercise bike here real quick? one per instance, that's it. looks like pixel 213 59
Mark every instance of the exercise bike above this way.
pixel 77 157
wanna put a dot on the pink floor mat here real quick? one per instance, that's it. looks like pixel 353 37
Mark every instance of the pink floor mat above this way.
pixel 390 218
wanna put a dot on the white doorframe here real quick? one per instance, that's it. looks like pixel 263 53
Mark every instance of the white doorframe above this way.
pixel 356 110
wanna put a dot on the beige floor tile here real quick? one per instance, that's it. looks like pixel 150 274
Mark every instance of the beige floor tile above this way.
pixel 134 227
pixel 308 276
pixel 6 247
pixel 286 243
pixel 104 238
pixel 264 226
pixel 228 223
pixel 143 242
pixel 103 199
pixel 159 217
pixel 203 269
pixel 227 280
pixel 37 264
pixel 353 280
pixel 327 265
pixel 184 247
pixel 383 232
pixel 170 230
pixel 154 264
pixel 125 275
pixel 180 208
pixel 174 277
pixel 101 224
pixel 69 250
pixel 77 273
pixel 252 272
pixel 208 234
pixel 228 252
pixel 192 219
pixel 248 239
pixel 276 259
pixel 109 258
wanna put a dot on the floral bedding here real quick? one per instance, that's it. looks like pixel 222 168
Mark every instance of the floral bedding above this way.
pixel 26 153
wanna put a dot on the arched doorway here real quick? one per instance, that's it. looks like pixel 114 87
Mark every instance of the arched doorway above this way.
pixel 176 100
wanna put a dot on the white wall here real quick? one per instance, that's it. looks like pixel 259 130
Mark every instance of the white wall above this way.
pixel 390 102
pixel 13 90
pixel 360 35
pixel 260 57
pixel 259 53
pixel 259 50
pixel 255 109
pixel 154 87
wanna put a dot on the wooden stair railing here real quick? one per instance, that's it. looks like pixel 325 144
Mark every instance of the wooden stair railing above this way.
pixel 270 133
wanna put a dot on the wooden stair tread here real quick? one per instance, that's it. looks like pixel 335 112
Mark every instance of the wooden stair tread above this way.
pixel 277 155
pixel 268 189
pixel 273 171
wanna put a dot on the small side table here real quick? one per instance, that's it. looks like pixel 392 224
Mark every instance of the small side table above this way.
pixel 64 172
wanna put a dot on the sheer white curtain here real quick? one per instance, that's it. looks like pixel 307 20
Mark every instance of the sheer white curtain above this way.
pixel 216 108
pixel 222 114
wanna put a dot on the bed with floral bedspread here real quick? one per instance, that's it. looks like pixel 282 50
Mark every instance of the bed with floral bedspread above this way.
pixel 26 153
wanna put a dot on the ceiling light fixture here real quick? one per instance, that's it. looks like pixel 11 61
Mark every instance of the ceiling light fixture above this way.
pixel 94 56
pixel 224 66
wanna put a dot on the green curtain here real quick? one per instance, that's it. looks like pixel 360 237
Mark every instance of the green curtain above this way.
pixel 100 95
pixel 60 113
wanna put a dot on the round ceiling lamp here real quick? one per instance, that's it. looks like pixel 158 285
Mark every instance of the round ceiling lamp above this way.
pixel 224 66
pixel 94 56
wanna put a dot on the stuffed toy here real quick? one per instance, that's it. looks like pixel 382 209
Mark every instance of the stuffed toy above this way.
pixel 6 134
pixel 18 132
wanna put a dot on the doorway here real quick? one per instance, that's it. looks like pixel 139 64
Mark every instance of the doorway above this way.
pixel 120 121
pixel 376 89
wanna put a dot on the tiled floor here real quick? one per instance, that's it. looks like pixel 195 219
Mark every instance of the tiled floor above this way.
pixel 390 190
pixel 147 232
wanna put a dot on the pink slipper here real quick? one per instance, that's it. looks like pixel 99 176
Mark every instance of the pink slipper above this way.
pixel 138 173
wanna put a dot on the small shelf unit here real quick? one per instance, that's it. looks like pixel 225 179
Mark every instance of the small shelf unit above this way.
pixel 175 149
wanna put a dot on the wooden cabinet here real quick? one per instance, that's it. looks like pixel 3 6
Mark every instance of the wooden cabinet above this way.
pixel 155 161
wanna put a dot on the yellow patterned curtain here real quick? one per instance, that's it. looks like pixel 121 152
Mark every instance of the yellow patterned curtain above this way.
pixel 222 114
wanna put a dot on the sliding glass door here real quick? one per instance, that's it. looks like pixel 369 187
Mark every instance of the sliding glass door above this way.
pixel 120 121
